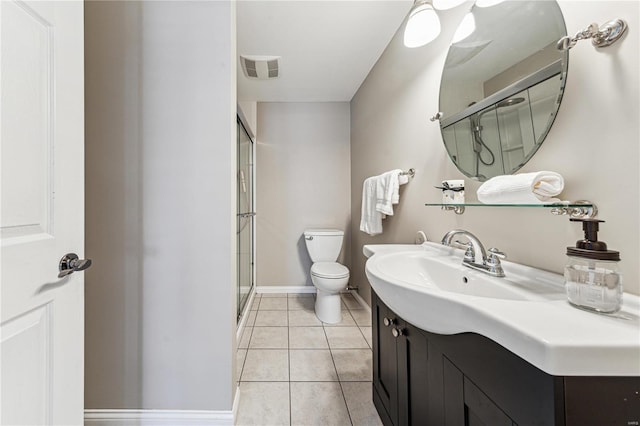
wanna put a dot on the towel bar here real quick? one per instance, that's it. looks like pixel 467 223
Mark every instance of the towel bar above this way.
pixel 411 172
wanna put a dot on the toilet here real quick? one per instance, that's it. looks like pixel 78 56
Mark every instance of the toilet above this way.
pixel 328 276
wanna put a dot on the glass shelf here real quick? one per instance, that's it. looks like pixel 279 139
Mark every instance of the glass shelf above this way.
pixel 548 206
pixel 578 209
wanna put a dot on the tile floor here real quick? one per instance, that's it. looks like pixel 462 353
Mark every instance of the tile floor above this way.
pixel 296 370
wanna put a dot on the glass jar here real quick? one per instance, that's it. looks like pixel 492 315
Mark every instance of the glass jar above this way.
pixel 595 285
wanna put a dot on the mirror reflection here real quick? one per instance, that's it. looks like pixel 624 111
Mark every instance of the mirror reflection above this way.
pixel 502 85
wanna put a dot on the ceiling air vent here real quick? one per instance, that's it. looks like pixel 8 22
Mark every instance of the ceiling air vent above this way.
pixel 260 67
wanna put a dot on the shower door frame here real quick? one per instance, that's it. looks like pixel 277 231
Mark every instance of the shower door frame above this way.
pixel 243 127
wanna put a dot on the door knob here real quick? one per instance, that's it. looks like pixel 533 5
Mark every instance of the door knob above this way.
pixel 70 263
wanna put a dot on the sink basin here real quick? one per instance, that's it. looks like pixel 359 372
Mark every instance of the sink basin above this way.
pixel 526 311
pixel 428 286
pixel 433 270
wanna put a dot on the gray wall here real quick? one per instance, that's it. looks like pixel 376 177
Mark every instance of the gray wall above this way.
pixel 593 144
pixel 302 174
pixel 160 193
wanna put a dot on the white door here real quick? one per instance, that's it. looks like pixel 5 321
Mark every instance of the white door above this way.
pixel 42 211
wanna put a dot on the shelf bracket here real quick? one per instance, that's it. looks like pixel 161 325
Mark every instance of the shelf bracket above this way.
pixel 455 209
pixel 590 210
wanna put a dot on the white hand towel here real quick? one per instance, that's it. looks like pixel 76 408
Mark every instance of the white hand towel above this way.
pixel 524 188
pixel 388 191
pixel 370 218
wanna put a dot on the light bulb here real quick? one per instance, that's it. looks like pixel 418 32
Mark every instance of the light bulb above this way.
pixel 422 27
pixel 446 4
pixel 465 29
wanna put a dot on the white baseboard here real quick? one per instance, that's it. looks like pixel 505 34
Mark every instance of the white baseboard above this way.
pixel 157 418
pixel 285 289
pixel 359 298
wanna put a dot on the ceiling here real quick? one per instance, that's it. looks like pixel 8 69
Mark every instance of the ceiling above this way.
pixel 327 47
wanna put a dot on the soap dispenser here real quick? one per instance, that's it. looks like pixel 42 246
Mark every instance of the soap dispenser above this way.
pixel 591 275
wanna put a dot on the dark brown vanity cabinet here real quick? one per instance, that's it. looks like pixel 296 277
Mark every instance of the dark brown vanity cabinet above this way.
pixel 422 378
pixel 399 369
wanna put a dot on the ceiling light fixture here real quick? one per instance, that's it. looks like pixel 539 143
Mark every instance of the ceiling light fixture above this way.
pixel 446 4
pixel 423 25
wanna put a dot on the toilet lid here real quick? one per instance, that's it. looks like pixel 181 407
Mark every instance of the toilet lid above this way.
pixel 329 270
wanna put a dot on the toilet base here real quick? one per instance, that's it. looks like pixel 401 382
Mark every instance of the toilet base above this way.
pixel 328 307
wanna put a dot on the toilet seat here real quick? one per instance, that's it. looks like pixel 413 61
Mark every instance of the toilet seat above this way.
pixel 330 270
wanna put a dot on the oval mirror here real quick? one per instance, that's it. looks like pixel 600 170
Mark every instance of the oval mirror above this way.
pixel 502 84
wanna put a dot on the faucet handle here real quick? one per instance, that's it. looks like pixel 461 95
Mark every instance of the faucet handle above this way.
pixel 494 256
pixel 470 254
pixel 493 262
pixel 497 253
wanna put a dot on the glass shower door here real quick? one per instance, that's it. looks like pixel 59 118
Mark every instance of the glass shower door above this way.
pixel 245 217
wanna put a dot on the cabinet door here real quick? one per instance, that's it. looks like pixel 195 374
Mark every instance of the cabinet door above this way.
pixel 466 405
pixel 413 393
pixel 385 373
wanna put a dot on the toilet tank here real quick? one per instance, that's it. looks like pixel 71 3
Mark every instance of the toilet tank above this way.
pixel 323 245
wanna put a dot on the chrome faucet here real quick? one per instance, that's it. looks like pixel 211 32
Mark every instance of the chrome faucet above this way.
pixel 475 256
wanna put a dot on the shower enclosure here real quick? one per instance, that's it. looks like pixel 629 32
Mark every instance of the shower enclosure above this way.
pixel 245 216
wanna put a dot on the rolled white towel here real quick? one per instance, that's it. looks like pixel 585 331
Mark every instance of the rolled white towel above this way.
pixel 523 188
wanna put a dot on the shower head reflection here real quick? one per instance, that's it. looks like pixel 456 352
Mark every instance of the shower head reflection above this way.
pixel 509 102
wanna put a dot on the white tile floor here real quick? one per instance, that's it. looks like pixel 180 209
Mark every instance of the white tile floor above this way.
pixel 295 370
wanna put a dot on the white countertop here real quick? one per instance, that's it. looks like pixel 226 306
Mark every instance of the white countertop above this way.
pixel 547 332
